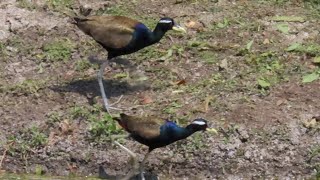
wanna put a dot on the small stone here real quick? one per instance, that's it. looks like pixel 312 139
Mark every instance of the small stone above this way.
pixel 247 155
pixel 224 64
pixel 266 41
pixel 310 123
pixel 243 134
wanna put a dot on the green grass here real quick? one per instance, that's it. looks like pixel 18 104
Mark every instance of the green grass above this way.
pixel 172 107
pixel 119 9
pixel 148 54
pixel 209 57
pixel 314 153
pixel 27 140
pixel 223 24
pixel 100 124
pixel 313 4
pixel 310 49
pixel 3 51
pixel 19 45
pixel 83 65
pixel 102 128
pixel 59 4
pixel 26 4
pixel 267 66
pixel 20 176
pixel 36 136
pixel 148 21
pixel 311 76
pixel 27 87
pixel 54 118
pixel 260 71
pixel 57 50
pixel 196 143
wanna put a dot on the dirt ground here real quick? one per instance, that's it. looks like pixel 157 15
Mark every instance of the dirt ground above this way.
pixel 243 65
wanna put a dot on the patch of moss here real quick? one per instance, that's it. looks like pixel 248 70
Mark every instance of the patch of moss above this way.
pixel 26 4
pixel 58 4
pixel 101 125
pixel 27 87
pixel 57 50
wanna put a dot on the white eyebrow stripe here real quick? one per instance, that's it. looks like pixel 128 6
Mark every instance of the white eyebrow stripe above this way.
pixel 165 21
pixel 199 122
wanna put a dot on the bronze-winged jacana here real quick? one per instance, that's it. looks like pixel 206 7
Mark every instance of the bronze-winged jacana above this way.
pixel 121 35
pixel 155 132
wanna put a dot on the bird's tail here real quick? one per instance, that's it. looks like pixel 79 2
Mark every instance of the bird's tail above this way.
pixel 76 20
pixel 122 116
pixel 116 119
pixel 76 17
pixel 121 120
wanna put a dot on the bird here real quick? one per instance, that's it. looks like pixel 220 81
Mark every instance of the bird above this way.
pixel 156 132
pixel 121 35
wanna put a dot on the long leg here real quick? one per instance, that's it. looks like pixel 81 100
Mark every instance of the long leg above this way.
pixel 103 93
pixel 132 172
pixel 133 156
pixel 141 169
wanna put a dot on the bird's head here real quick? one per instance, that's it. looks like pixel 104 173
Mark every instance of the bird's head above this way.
pixel 168 24
pixel 198 124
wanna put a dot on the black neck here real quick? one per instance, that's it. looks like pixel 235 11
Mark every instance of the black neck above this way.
pixel 183 133
pixel 157 34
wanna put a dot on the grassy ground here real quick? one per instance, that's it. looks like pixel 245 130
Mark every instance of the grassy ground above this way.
pixel 250 67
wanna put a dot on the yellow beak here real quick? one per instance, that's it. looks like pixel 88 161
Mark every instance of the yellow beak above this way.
pixel 178 28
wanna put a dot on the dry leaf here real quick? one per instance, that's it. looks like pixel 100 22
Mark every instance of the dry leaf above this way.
pixel 52 138
pixel 181 82
pixel 65 127
pixel 194 25
pixel 207 102
pixel 146 99
pixel 190 24
pixel 280 102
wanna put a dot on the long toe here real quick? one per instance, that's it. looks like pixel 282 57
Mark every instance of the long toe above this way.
pixel 118 101
pixel 142 175
pixel 111 106
pixel 108 108
pixel 114 108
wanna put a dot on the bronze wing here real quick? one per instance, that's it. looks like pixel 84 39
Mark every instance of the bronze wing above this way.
pixel 146 127
pixel 111 31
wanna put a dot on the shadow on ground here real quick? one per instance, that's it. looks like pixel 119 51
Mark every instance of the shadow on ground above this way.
pixel 90 88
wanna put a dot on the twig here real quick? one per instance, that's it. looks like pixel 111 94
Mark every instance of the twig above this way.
pixel 4 153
